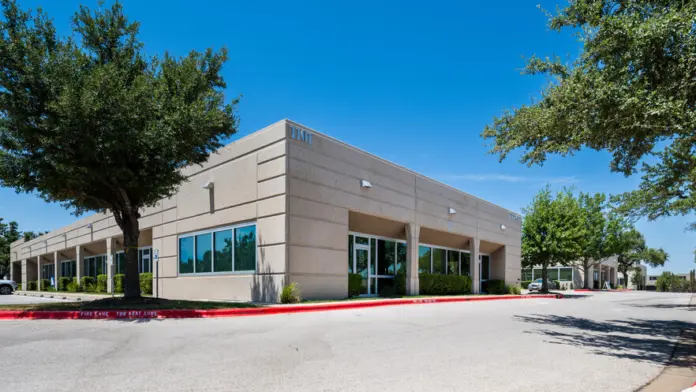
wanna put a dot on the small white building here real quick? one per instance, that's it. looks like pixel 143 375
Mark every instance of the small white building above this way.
pixel 632 283
pixel 572 277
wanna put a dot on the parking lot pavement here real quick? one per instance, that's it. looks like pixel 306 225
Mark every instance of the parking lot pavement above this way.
pixel 22 300
pixel 594 342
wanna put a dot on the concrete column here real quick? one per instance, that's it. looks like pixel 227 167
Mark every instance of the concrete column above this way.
pixel 56 269
pixel 475 261
pixel 412 236
pixel 109 266
pixel 79 262
pixel 38 273
pixel 24 274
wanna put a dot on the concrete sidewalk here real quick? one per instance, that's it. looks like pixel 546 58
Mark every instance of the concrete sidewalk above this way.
pixel 680 372
pixel 64 295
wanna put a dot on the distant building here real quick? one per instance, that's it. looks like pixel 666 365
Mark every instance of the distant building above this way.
pixel 652 280
pixel 572 277
pixel 632 284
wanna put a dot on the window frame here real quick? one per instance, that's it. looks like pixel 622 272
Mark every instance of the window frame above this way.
pixel 212 243
pixel 447 250
pixel 105 265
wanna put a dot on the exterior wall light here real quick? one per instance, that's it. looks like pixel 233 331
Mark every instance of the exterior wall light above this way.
pixel 365 184
pixel 89 226
pixel 208 185
pixel 503 227
pixel 452 211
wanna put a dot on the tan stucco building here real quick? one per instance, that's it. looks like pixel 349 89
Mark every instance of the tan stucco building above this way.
pixel 289 204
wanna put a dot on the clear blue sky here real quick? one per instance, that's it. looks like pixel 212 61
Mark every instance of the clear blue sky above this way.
pixel 413 82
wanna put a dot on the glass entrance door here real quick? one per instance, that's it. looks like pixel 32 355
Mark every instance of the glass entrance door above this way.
pixel 361 256
pixel 484 270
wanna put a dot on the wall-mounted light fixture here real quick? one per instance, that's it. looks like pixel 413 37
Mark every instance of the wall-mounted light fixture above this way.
pixel 503 227
pixel 208 185
pixel 451 211
pixel 365 184
pixel 89 226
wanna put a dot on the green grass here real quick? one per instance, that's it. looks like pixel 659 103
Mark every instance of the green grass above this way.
pixel 394 297
pixel 130 304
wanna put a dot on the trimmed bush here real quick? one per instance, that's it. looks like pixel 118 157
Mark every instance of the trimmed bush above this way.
pixel 387 291
pixel 354 285
pixel 118 282
pixel 514 289
pixel 525 283
pixel 494 286
pixel 146 283
pixel 19 286
pixel 31 285
pixel 556 284
pixel 400 284
pixel 87 284
pixel 436 284
pixel 290 294
pixel 45 284
pixel 102 283
pixel 63 283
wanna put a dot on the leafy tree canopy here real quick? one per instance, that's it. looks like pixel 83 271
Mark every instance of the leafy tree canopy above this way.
pixel 630 249
pixel 552 231
pixel 90 122
pixel 631 92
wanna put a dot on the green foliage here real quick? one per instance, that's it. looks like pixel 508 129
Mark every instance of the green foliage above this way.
pixel 45 284
pixel 631 249
pixel 387 291
pixel 630 92
pixel 514 289
pixel 400 283
pixel 9 233
pixel 19 286
pixel 552 231
pixel 290 294
pixel 87 284
pixel 146 283
pixel 92 122
pixel 63 283
pixel 436 284
pixel 494 286
pixel 118 283
pixel 669 282
pixel 32 285
pixel 525 283
pixel 354 285
pixel 102 280
pixel 556 284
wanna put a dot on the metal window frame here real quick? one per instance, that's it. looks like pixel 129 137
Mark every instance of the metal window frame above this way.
pixel 212 247
pixel 367 247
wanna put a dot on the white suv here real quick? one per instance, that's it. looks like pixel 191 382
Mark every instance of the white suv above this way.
pixel 7 286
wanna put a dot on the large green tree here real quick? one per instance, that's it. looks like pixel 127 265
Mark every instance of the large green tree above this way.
pixel 598 238
pixel 552 231
pixel 9 233
pixel 90 122
pixel 630 249
pixel 630 92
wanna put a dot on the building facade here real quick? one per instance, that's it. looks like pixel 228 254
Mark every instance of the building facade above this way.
pixel 632 283
pixel 573 276
pixel 289 204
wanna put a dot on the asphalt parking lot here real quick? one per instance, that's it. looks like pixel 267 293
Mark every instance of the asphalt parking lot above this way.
pixel 600 342
pixel 22 300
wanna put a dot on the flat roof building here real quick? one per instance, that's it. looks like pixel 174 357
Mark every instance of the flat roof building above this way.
pixel 289 204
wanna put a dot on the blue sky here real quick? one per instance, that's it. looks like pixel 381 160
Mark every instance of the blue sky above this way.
pixel 413 82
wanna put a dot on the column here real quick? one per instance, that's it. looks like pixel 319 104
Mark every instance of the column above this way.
pixel 38 273
pixel 412 236
pixel 24 274
pixel 475 261
pixel 56 269
pixel 79 262
pixel 109 266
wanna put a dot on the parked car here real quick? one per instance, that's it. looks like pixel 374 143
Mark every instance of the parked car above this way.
pixel 7 286
pixel 536 285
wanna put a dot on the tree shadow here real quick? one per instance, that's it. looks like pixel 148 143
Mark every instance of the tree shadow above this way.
pixel 638 340
pixel 663 306
pixel 263 287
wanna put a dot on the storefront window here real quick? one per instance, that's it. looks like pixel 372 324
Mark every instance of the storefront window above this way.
pixel 466 264
pixel 452 262
pixel 223 251
pixel 485 267
pixel 424 254
pixel 566 274
pixel 401 257
pixel 439 261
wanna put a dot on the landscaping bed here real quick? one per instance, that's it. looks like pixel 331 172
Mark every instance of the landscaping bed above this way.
pixel 130 304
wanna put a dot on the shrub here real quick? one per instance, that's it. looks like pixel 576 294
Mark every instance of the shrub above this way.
pixel 19 286
pixel 118 282
pixel 146 283
pixel 101 283
pixel 290 294
pixel 45 284
pixel 400 284
pixel 514 289
pixel 87 284
pixel 619 287
pixel 388 291
pixel 31 285
pixel 63 283
pixel 556 284
pixel 525 283
pixel 435 284
pixel 73 287
pixel 354 285
pixel 494 286
pixel 571 285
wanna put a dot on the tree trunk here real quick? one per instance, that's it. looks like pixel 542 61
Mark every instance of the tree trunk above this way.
pixel 131 233
pixel 586 274
pixel 544 279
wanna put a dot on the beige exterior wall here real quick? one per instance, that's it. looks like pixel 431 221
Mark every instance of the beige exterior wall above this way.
pixel 324 189
pixel 304 198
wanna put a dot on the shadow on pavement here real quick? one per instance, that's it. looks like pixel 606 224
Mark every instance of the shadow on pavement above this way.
pixel 663 306
pixel 639 340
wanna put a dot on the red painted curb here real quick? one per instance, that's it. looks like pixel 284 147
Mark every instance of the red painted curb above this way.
pixel 598 290
pixel 236 312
